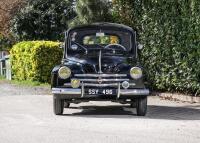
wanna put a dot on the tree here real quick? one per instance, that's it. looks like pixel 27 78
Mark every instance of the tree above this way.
pixel 7 10
pixel 89 11
pixel 43 20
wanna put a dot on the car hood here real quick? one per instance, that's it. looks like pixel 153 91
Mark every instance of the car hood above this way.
pixel 95 60
pixel 109 64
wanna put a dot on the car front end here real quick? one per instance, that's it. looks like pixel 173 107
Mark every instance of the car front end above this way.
pixel 100 63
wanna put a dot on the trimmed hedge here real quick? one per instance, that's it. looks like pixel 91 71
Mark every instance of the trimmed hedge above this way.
pixel 170 33
pixel 34 60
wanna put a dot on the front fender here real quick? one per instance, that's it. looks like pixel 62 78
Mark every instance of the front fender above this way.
pixel 54 76
pixel 55 69
pixel 56 81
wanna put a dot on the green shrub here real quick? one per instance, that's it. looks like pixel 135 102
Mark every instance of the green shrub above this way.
pixel 34 60
pixel 169 31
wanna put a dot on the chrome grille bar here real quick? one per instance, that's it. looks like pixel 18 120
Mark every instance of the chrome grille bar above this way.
pixel 118 92
pixel 96 80
pixel 82 90
pixel 100 53
pixel 101 85
pixel 100 75
pixel 98 85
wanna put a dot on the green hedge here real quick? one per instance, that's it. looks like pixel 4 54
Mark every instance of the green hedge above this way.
pixel 170 33
pixel 34 60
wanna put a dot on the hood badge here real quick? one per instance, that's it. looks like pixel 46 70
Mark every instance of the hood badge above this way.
pixel 100 80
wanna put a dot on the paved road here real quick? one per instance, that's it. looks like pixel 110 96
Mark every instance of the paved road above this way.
pixel 29 119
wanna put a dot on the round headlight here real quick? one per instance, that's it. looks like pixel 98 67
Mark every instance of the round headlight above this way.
pixel 136 72
pixel 75 83
pixel 64 72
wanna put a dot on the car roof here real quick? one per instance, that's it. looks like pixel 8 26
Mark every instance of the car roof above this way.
pixel 104 24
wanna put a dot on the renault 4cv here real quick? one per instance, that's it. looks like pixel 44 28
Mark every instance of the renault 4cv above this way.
pixel 100 63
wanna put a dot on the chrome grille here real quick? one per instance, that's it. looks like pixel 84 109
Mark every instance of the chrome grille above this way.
pixel 104 80
pixel 101 79
pixel 100 75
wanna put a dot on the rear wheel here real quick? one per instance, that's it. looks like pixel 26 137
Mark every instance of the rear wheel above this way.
pixel 141 106
pixel 58 105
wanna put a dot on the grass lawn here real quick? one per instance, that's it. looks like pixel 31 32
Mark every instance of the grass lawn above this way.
pixel 2 78
pixel 25 83
pixel 29 83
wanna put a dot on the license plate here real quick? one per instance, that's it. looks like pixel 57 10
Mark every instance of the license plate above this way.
pixel 101 91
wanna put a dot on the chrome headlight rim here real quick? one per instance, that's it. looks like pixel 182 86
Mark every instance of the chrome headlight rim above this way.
pixel 136 76
pixel 67 75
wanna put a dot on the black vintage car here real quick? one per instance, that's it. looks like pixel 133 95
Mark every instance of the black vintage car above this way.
pixel 100 63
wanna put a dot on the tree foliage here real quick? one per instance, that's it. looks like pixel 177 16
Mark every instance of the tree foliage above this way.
pixel 5 43
pixel 169 31
pixel 8 8
pixel 43 19
pixel 90 11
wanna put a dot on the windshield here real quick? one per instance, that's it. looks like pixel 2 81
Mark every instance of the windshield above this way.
pixel 89 41
pixel 100 39
pixel 89 37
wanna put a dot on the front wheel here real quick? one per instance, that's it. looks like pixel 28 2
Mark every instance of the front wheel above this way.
pixel 58 105
pixel 141 106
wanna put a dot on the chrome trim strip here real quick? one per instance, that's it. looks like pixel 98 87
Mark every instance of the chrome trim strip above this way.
pixel 121 92
pixel 118 91
pixel 82 90
pixel 100 55
pixel 67 84
pixel 68 91
pixel 132 84
pixel 100 75
pixel 112 80
pixel 132 92
pixel 101 85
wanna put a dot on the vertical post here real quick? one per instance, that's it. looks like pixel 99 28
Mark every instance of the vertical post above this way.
pixel 1 67
pixel 8 67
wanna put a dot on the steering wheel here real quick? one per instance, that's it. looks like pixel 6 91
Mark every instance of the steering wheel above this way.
pixel 117 45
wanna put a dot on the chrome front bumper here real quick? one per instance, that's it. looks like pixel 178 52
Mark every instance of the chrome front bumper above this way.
pixel 121 92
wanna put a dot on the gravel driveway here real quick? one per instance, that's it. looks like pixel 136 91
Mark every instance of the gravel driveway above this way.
pixel 29 119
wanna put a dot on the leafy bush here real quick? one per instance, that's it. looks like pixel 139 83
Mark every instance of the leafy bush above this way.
pixel 43 20
pixel 5 43
pixel 34 60
pixel 169 31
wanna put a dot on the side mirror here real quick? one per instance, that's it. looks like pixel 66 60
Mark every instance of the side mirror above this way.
pixel 140 46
